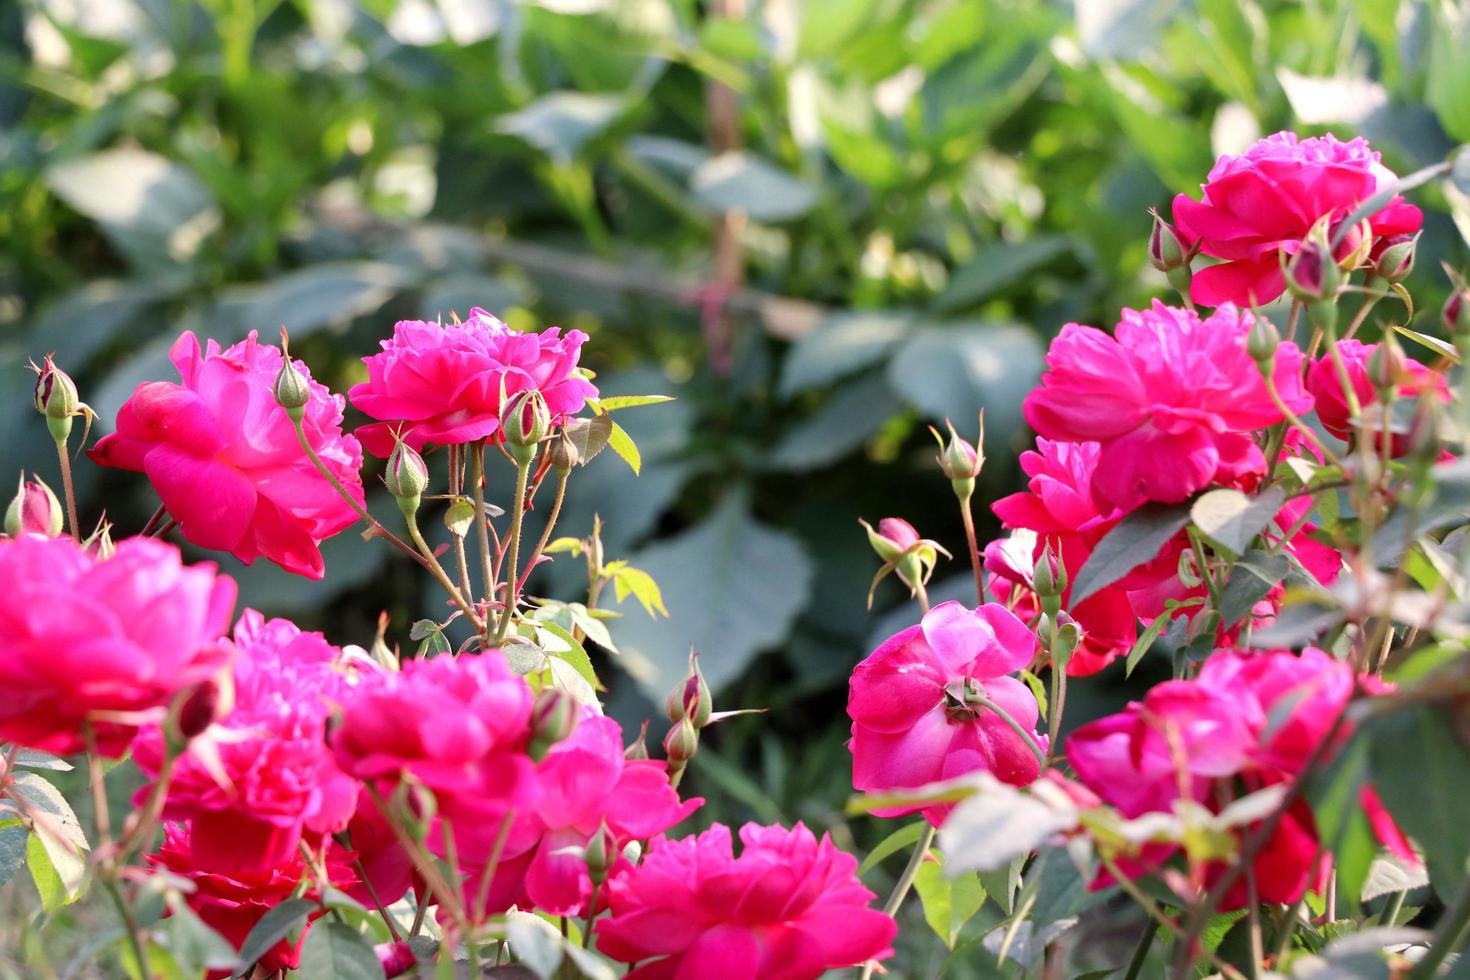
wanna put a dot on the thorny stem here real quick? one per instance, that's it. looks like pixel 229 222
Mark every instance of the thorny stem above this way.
pixel 512 591
pixel 130 923
pixel 905 882
pixel 67 490
pixel 561 492
pixel 142 833
pixel 591 915
pixel 437 571
pixel 377 902
pixel 99 789
pixel 152 525
pixel 1296 423
pixel 482 527
pixel 975 565
pixel 448 900
pixel 1155 913
pixel 1006 717
pixel 456 488
pixel 483 895
pixel 372 521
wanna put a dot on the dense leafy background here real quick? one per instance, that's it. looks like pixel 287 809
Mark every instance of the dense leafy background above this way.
pixel 931 190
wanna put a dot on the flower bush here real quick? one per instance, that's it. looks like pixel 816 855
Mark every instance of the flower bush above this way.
pixel 1262 506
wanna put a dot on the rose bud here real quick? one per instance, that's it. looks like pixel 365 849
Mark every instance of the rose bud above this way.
pixel 396 959
pixel 525 421
pixel 638 748
pixel 691 699
pixel 35 510
pixel 1311 275
pixel 595 853
pixel 56 398
pixel 893 538
pixel 681 743
pixel 406 477
pixel 1393 257
pixel 1456 311
pixel 1262 343
pixel 553 718
pixel 292 389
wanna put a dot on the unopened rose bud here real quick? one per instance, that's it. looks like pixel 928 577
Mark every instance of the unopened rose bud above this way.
pixel 1393 257
pixel 525 420
pixel 564 454
pixel 55 397
pixel 34 510
pixel 1049 578
pixel 961 461
pixel 1311 274
pixel 201 707
pixel 1261 343
pixel 638 748
pixel 553 718
pixel 598 855
pixel 691 700
pixel 893 537
pixel 1167 249
pixel 681 743
pixel 396 959
pixel 1456 310
pixel 1359 241
pixel 292 390
pixel 1386 367
pixel 406 477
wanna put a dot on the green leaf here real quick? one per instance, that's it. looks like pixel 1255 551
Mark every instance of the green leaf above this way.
pixel 899 840
pixel 732 586
pixel 155 211
pixel 323 295
pixel 1251 580
pixel 623 445
pixel 1137 538
pixel 1144 643
pixel 955 371
pixel 284 920
pixel 848 419
pixel 630 401
pixel 997 267
pixel 13 839
pixel 194 946
pixel 841 345
pixel 739 181
pixel 336 951
pixel 49 884
pixel 534 943
pixel 638 583
pixel 988 830
pixel 559 124
pixel 1447 88
pixel 431 638
pixel 949 903
pixel 1231 520
pixel 57 833
pixel 1000 885
pixel 1429 798
pixel 571 653
pixel 36 759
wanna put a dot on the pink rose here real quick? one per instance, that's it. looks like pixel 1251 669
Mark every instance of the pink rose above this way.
pixel 789 907
pixel 460 727
pixel 1261 204
pixel 280 778
pixel 111 641
pixel 225 460
pixel 911 721
pixel 1326 387
pixel 1057 506
pixel 442 384
pixel 386 865
pixel 232 901
pixel 586 784
pixel 1172 400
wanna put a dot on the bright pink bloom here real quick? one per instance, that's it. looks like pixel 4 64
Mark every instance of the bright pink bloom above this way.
pixel 1261 204
pixel 1314 687
pixel 459 726
pixel 232 901
pixel 789 907
pixel 911 722
pixel 385 864
pixel 1171 399
pixel 585 784
pixel 280 778
pixel 1332 406
pixel 86 639
pixel 442 384
pixel 1057 505
pixel 225 460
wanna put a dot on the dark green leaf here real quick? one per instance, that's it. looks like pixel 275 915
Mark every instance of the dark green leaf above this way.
pixel 953 372
pixel 13 836
pixel 842 344
pixel 742 182
pixel 997 267
pixel 559 124
pixel 1137 538
pixel 901 839
pixel 1429 798
pixel 335 951
pixel 1231 520
pixel 848 419
pixel 284 920
pixel 1251 579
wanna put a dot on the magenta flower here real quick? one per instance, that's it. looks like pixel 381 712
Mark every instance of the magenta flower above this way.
pixel 1057 506
pixel 280 779
pixel 585 784
pixel 442 384
pixel 1172 400
pixel 789 907
pixel 225 460
pixel 914 718
pixel 111 641
pixel 1326 387
pixel 1261 204
pixel 460 727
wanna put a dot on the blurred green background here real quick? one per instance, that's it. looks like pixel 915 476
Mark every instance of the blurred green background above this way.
pixel 821 225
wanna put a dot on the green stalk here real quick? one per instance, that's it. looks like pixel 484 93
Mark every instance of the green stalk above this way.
pixel 905 882
pixel 512 593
